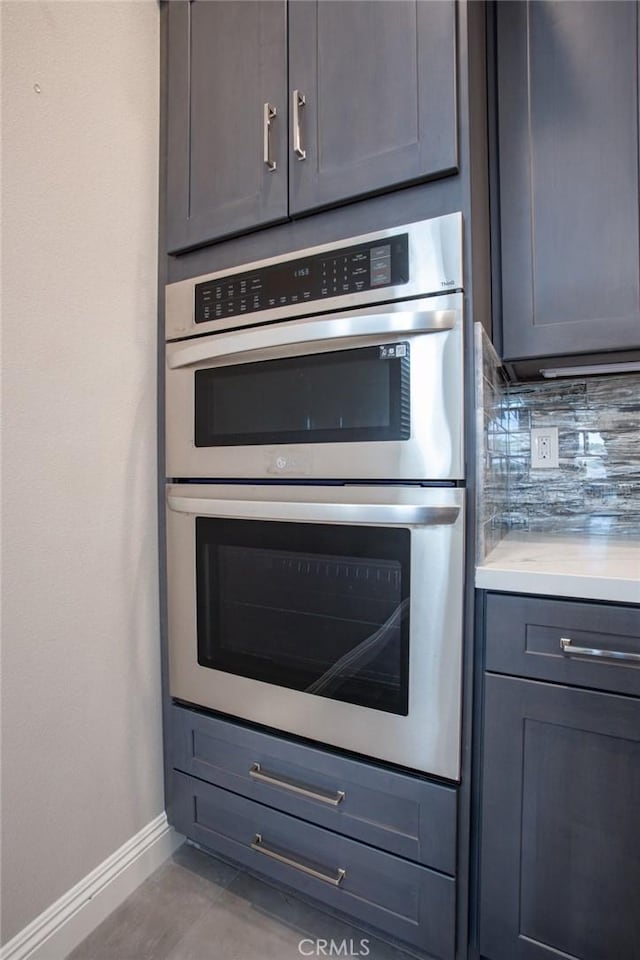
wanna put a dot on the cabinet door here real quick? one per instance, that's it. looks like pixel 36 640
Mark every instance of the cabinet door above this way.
pixel 568 152
pixel 560 854
pixel 378 80
pixel 226 60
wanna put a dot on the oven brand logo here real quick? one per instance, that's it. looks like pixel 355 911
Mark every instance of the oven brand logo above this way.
pixel 334 948
pixel 392 351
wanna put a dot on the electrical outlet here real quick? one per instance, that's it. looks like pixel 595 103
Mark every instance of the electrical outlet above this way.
pixel 544 448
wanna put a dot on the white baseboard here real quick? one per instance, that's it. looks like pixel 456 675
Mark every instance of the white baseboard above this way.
pixel 65 924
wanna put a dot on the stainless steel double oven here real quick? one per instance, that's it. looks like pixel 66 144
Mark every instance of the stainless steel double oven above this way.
pixel 315 496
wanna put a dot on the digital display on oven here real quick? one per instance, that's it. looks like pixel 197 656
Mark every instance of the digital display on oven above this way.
pixel 381 263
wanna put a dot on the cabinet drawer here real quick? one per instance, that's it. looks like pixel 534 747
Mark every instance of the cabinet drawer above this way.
pixel 402 899
pixel 524 637
pixel 406 815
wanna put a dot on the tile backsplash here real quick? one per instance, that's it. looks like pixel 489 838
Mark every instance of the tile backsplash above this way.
pixel 596 488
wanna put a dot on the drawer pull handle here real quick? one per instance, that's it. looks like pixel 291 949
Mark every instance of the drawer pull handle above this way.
pixel 306 867
pixel 313 793
pixel 569 649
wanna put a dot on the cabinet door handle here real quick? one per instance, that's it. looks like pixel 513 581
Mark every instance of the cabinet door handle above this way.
pixel 269 113
pixel 314 793
pixel 335 878
pixel 299 100
pixel 569 649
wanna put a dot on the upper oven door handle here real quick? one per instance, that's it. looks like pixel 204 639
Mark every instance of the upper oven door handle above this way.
pixel 371 514
pixel 274 336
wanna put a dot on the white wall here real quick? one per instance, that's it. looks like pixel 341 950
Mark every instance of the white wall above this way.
pixel 81 736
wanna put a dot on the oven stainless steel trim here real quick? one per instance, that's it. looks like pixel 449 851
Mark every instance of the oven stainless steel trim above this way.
pixel 435 267
pixel 433 327
pixel 370 514
pixel 428 738
pixel 261 343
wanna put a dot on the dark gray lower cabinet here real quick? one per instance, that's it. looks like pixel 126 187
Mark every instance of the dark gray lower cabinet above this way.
pixel 401 899
pixel 560 842
pixel 371 843
pixel 541 640
pixel 407 815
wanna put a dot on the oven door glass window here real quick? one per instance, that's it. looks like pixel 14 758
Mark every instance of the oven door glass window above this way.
pixel 315 607
pixel 342 396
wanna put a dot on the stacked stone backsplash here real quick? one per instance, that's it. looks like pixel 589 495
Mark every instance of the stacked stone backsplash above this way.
pixel 596 488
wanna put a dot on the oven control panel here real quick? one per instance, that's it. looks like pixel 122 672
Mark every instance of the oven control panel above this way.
pixel 371 266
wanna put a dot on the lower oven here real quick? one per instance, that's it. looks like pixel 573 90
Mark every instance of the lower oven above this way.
pixel 331 612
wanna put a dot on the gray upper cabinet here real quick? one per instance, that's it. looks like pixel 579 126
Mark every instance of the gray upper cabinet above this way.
pixel 568 175
pixel 226 61
pixel 374 107
pixel 378 81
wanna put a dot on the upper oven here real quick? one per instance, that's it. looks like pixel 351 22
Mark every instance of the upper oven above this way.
pixel 367 395
pixel 342 386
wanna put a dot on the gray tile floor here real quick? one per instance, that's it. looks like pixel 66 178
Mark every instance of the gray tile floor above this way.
pixel 195 907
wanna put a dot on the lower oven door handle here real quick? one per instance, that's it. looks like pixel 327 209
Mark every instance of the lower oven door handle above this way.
pixel 370 514
pixel 269 339
pixel 283 857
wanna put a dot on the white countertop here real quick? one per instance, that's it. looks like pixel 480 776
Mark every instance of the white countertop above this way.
pixel 587 567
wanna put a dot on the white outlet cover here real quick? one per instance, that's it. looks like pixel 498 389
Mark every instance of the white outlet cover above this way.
pixel 544 448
